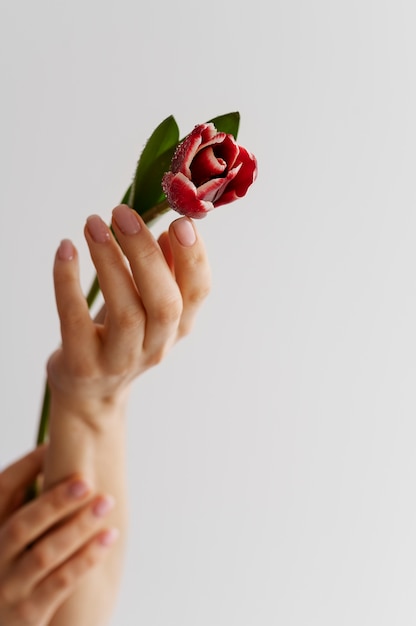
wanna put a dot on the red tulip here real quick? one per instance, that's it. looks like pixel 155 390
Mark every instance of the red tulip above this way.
pixel 208 169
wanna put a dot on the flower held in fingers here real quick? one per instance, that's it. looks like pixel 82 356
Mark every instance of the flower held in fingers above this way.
pixel 208 169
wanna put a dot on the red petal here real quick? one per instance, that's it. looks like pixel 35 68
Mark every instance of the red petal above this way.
pixel 246 175
pixel 184 155
pixel 187 149
pixel 206 165
pixel 181 194
pixel 213 190
pixel 228 150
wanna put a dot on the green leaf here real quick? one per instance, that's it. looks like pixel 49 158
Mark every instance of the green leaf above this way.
pixel 227 123
pixel 154 174
pixel 125 199
pixel 154 161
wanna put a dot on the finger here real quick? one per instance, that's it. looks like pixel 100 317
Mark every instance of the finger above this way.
pixel 49 552
pixel 37 517
pixel 17 477
pixel 164 244
pixel 192 271
pixel 101 315
pixel 60 584
pixel 123 305
pixel 77 328
pixel 42 604
pixel 157 288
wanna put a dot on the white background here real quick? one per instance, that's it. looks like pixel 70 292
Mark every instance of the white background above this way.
pixel 272 464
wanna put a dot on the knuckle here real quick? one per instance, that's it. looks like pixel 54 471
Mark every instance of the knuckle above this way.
pixel 156 357
pixel 148 252
pixel 15 532
pixel 6 595
pixel 67 576
pixel 129 319
pixel 49 506
pixel 185 328
pixel 72 316
pixel 198 294
pixel 196 261
pixel 168 311
pixel 59 370
pixel 82 369
pixel 84 522
pixel 27 612
pixel 90 559
pixel 63 579
pixel 40 557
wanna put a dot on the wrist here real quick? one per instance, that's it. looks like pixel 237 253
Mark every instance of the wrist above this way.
pixel 83 437
pixel 94 413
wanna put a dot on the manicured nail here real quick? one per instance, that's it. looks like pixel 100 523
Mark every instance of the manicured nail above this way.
pixel 78 488
pixel 184 231
pixel 103 506
pixel 108 537
pixel 127 220
pixel 66 250
pixel 97 229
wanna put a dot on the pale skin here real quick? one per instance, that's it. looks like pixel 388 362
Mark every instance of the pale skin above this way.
pixel 67 539
pixel 150 303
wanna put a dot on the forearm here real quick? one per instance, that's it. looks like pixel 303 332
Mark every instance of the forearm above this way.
pixel 150 303
pixel 92 445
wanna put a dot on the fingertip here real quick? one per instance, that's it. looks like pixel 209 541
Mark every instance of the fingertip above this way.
pixel 126 220
pixel 66 250
pixel 78 487
pixel 108 537
pixel 97 229
pixel 41 448
pixel 184 231
pixel 37 453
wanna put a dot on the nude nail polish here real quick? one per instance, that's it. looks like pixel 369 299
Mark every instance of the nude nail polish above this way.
pixel 108 537
pixel 102 506
pixel 97 229
pixel 184 231
pixel 66 250
pixel 78 488
pixel 126 220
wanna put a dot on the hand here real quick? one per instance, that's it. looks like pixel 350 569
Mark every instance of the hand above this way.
pixel 150 303
pixel 47 546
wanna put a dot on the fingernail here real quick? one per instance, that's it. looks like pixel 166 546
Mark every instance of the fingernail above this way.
pixel 97 229
pixel 66 250
pixel 184 231
pixel 78 488
pixel 108 537
pixel 103 506
pixel 126 220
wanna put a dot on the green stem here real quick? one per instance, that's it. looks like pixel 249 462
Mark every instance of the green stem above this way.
pixel 33 490
pixel 156 211
pixel 93 292
pixel 44 416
